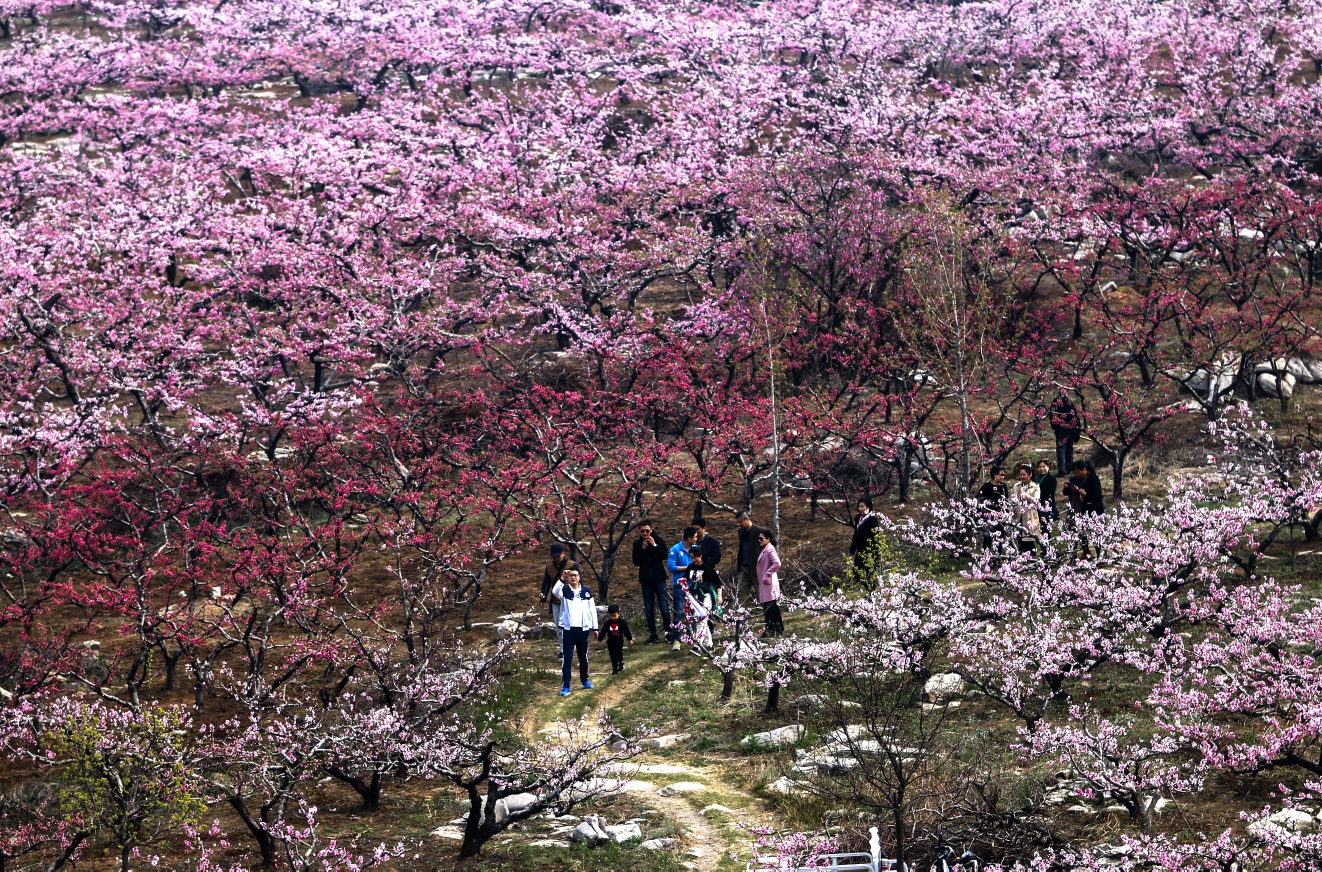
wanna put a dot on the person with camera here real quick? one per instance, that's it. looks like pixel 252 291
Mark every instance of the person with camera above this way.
pixel 649 555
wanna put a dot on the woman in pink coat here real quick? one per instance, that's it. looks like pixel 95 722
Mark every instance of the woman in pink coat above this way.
pixel 768 583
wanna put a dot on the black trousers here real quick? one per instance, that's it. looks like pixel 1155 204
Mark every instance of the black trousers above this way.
pixel 616 648
pixel 771 611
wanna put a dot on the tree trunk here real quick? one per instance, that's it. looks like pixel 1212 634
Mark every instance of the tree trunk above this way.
pixel 265 842
pixel 370 791
pixel 727 684
pixel 897 812
pixel 773 698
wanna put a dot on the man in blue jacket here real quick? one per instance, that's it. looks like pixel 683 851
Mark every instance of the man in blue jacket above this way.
pixel 677 561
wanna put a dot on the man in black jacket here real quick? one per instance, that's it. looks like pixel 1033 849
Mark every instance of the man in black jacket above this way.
pixel 865 524
pixel 1084 489
pixel 649 555
pixel 711 549
pixel 1065 424
pixel 748 550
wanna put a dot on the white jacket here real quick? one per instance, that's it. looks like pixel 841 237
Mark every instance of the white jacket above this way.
pixel 577 609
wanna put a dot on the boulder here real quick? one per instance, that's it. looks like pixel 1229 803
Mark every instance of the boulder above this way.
pixel 776 738
pixel 682 787
pixel 1292 820
pixel 505 629
pixel 785 786
pixel 810 701
pixel 621 833
pixel 943 687
pixel 519 802
pixel 590 831
pixel 656 844
pixel 659 742
pixel 449 832
pixel 1272 386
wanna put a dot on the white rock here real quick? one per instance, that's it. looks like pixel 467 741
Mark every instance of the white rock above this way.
pixel 943 687
pixel 622 833
pixel 811 701
pixel 681 787
pixel 1294 820
pixel 453 833
pixel 505 629
pixel 776 738
pixel 520 802
pixel 1271 386
pixel 1081 809
pixel 548 843
pixel 785 786
pixel 717 808
pixel 1116 809
pixel 590 831
pixel 669 741
pixel 656 844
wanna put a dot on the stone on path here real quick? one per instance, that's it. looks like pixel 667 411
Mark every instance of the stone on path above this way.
pixel 660 742
pixel 720 808
pixel 681 787
pixel 448 832
pixel 776 738
pixel 656 844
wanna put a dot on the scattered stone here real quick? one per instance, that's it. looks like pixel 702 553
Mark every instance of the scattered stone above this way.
pixel 662 769
pixel 811 701
pixel 943 687
pixel 622 833
pixel 449 832
pixel 934 707
pixel 660 742
pixel 1116 809
pixel 678 683
pixel 519 802
pixel 776 738
pixel 681 787
pixel 1290 819
pixel 785 786
pixel 656 844
pixel 590 831
pixel 620 745
pixel 717 808
pixel 505 629
pixel 1081 809
pixel 548 843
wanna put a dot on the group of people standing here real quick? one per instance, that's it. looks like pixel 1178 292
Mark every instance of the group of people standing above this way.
pixel 1032 498
pixel 682 583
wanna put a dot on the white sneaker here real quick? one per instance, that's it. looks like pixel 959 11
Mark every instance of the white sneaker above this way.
pixel 674 647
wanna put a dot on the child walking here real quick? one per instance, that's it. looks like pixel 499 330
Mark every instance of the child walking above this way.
pixel 616 632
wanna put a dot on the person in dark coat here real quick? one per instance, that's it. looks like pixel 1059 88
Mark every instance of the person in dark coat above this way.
pixel 649 555
pixel 1085 487
pixel 748 549
pixel 993 496
pixel 1065 424
pixel 865 527
pixel 1046 485
pixel 560 561
pixel 711 548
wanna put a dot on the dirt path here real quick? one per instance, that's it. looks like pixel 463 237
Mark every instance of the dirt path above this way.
pixel 706 837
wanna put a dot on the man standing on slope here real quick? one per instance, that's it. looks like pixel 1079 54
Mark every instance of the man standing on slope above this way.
pixel 649 555
pixel 748 551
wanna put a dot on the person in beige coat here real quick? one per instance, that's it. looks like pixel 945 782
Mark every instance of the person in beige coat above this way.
pixel 1025 499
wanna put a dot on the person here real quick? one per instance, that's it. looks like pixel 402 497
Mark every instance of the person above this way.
pixel 767 572
pixel 578 618
pixel 745 565
pixel 616 633
pixel 678 563
pixel 711 548
pixel 649 555
pixel 702 588
pixel 560 561
pixel 1085 487
pixel 1025 504
pixel 865 526
pixel 1065 425
pixel 1046 486
pixel 992 497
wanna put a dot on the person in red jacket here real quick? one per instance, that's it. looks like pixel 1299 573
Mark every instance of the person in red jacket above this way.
pixel 616 632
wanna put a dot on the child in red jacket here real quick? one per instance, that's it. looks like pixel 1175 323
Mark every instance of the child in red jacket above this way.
pixel 616 632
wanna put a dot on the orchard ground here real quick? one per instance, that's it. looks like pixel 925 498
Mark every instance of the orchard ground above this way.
pixel 676 693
